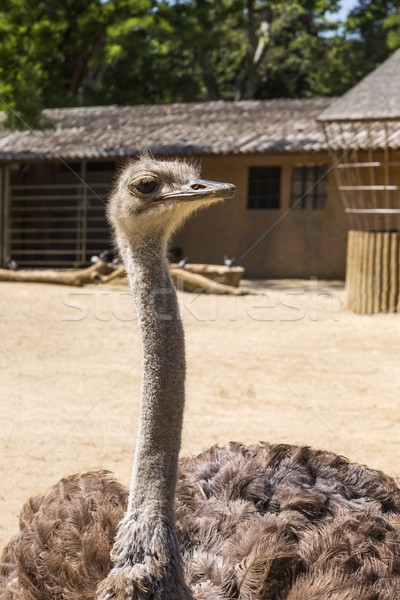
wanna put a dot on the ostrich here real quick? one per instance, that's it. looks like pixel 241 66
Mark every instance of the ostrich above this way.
pixel 273 522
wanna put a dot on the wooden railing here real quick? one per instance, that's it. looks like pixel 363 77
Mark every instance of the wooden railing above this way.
pixel 59 224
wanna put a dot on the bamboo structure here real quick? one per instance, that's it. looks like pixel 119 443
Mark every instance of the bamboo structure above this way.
pixel 373 275
pixel 367 170
pixel 362 130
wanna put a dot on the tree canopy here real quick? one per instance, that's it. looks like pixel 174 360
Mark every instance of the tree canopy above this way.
pixel 57 53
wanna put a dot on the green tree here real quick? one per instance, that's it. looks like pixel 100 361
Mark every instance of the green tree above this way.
pixel 50 52
pixel 371 29
pixel 56 53
pixel 245 49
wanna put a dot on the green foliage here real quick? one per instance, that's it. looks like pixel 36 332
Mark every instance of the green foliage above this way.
pixel 391 24
pixel 56 53
pixel 371 28
pixel 53 52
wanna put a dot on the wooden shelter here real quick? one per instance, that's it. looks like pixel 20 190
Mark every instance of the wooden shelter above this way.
pixel 363 133
pixel 286 219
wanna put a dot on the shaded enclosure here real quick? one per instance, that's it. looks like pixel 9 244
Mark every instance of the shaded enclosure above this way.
pixel 56 212
pixel 362 130
pixel 274 151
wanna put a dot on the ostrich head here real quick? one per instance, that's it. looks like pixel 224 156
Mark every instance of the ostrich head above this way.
pixel 154 197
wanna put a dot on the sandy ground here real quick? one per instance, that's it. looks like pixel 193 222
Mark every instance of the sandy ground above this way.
pixel 291 365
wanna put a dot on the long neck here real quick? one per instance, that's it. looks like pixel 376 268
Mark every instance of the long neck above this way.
pixel 162 399
pixel 146 550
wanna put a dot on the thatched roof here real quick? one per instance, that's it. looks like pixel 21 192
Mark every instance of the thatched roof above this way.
pixel 254 126
pixel 377 96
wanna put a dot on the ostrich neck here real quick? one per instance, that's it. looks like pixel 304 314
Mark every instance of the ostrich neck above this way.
pixel 147 559
pixel 155 468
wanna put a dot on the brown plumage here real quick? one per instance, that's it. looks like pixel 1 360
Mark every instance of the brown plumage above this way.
pixel 275 522
pixel 263 522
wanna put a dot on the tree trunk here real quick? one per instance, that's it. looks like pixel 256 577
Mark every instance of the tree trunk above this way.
pixel 247 80
pixel 207 72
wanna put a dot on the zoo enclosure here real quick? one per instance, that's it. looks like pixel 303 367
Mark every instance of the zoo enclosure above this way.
pixel 53 214
pixel 367 169
pixel 362 130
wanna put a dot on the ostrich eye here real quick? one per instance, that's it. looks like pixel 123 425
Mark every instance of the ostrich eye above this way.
pixel 146 186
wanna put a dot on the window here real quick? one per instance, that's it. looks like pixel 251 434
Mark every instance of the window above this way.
pixel 309 187
pixel 264 188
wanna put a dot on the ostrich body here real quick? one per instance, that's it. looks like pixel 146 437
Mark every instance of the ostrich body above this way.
pixel 262 522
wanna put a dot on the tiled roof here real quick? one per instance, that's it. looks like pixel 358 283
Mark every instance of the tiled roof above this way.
pixel 377 96
pixel 253 126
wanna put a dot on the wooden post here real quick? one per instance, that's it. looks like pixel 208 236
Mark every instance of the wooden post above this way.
pixel 385 272
pixel 349 269
pixel 373 272
pixel 398 277
pixel 363 273
pixel 369 288
pixel 6 214
pixel 394 271
pixel 358 268
pixel 2 231
pixel 378 273
pixel 357 274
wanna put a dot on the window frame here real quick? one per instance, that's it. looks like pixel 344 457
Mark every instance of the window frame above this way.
pixel 256 187
pixel 309 190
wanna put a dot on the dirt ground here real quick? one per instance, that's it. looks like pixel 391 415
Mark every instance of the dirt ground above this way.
pixel 290 364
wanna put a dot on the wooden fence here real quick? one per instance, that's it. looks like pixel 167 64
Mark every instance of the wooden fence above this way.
pixel 52 217
pixel 372 272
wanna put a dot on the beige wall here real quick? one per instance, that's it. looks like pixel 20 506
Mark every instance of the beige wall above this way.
pixel 268 243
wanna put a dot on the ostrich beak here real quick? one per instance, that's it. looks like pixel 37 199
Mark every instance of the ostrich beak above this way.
pixel 201 189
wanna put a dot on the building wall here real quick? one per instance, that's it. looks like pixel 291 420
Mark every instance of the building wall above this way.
pixel 268 243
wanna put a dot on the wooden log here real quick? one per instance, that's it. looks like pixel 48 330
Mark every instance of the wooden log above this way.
pixel 74 278
pixel 190 282
pixel 352 269
pixel 369 284
pixel 356 268
pixel 220 273
pixel 357 272
pixel 193 282
pixel 349 270
pixel 363 272
pixel 119 271
pixel 104 273
pixel 378 272
pixel 186 281
pixel 394 272
pixel 398 284
pixel 385 272
pixel 373 272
